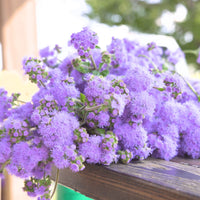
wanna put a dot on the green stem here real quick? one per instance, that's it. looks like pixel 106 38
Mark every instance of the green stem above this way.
pixel 190 86
pixel 4 164
pixel 194 52
pixel 148 60
pixel 56 183
pixel 94 64
pixel 101 66
pixel 78 101
pixel 18 100
pixel 82 108
pixel 42 84
pixel 88 109
pixel 84 119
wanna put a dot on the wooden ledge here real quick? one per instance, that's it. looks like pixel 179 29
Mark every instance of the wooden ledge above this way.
pixel 144 180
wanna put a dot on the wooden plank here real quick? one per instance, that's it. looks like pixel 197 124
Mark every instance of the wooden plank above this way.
pixel 148 179
pixel 17 31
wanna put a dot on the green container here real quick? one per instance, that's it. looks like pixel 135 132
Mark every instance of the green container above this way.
pixel 64 193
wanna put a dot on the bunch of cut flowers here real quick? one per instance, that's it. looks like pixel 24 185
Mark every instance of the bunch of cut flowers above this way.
pixel 98 107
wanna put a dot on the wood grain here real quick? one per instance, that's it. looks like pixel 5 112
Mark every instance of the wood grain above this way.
pixel 148 179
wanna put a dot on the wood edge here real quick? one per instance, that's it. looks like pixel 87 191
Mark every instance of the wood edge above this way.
pixel 164 192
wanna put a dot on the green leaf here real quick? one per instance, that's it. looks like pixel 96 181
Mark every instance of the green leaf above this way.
pixel 165 68
pixel 96 73
pixel 82 70
pixel 86 64
pixel 82 97
pixel 100 131
pixel 160 89
pixel 100 66
pixel 97 47
pixel 105 72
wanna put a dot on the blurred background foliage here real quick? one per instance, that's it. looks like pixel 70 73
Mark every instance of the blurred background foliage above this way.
pixel 177 18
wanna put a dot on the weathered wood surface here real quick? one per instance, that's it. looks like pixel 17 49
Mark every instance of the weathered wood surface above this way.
pixel 144 180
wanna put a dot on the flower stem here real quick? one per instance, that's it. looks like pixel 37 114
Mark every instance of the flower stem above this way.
pixel 194 52
pixel 94 64
pixel 82 108
pixel 42 84
pixel 190 86
pixel 88 109
pixel 144 56
pixel 56 183
pixel 4 164
pixel 78 101
pixel 18 100
pixel 84 119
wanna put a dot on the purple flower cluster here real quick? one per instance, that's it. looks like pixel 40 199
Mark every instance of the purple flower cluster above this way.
pixel 111 95
pixel 132 137
pixel 24 159
pixel 50 56
pixel 35 70
pixel 5 104
pixel 100 149
pixel 174 57
pixel 35 187
pixel 66 156
pixel 84 41
pixel 17 129
pixel 174 85
pixel 80 135
pixel 125 156
pixel 119 58
pixel 103 107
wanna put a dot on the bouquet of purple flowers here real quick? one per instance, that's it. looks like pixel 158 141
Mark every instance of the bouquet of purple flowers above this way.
pixel 98 107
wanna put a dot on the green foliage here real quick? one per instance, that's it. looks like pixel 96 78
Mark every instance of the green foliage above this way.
pixel 142 16
pixel 82 97
pixel 100 131
pixel 105 72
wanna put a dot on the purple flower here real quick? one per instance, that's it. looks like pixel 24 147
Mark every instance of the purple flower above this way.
pixel 133 138
pixel 5 104
pixel 91 150
pixel 6 150
pixel 26 158
pixel 84 41
pixel 36 67
pixel 60 130
pixel 45 52
pixel 138 80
